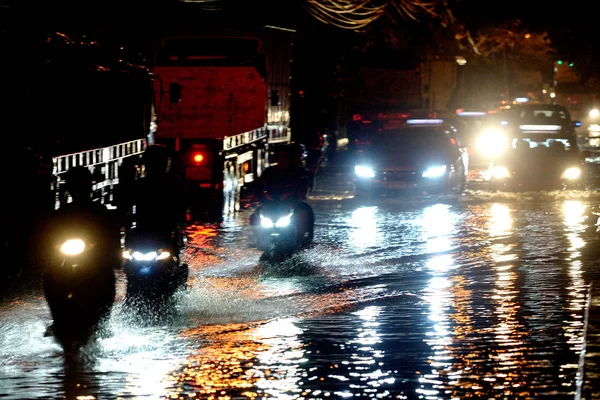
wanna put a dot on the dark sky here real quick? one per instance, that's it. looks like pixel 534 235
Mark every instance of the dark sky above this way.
pixel 569 22
pixel 135 21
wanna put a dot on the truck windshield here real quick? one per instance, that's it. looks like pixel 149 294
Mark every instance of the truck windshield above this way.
pixel 210 51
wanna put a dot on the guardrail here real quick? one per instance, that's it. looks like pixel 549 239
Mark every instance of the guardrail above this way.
pixel 103 161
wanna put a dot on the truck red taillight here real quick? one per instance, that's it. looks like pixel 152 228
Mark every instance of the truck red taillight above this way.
pixel 197 157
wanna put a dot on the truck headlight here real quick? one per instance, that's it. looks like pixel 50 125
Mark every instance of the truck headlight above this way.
pixel 364 172
pixel 72 247
pixel 571 173
pixel 434 172
pixel 491 143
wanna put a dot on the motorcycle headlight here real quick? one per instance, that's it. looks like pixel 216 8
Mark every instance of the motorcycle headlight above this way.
pixel 72 247
pixel 150 256
pixel 434 172
pixel 491 143
pixel 364 172
pixel 571 173
pixel 266 222
pixel 139 256
pixel 284 221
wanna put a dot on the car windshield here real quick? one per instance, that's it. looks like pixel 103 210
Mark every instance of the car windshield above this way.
pixel 410 141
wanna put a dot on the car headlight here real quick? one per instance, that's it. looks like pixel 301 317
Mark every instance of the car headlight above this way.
pixel 72 247
pixel 571 173
pixel 364 171
pixel 491 143
pixel 500 172
pixel 434 172
pixel 594 113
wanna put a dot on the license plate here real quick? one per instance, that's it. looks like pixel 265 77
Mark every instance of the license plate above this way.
pixel 397 185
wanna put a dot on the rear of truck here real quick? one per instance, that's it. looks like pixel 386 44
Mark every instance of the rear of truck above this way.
pixel 221 101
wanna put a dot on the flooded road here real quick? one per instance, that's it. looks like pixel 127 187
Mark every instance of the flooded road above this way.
pixel 481 296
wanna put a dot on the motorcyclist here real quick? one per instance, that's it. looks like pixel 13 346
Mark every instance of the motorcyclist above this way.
pixel 85 214
pixel 288 180
pixel 100 227
pixel 158 197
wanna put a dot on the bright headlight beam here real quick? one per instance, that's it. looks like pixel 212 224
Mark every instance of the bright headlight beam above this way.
pixel 434 172
pixel 144 256
pixel 266 222
pixel 500 172
pixel 283 222
pixel 72 247
pixel 492 143
pixel 364 171
pixel 571 173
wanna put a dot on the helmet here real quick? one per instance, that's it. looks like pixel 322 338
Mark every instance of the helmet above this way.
pixel 297 150
pixel 78 182
pixel 78 177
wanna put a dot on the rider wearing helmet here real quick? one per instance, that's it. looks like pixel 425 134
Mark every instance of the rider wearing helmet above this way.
pixel 83 213
pixel 287 180
pixel 158 195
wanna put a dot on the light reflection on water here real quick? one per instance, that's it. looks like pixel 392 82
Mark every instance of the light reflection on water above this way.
pixel 439 301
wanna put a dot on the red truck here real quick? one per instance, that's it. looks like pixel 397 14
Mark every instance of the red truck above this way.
pixel 223 102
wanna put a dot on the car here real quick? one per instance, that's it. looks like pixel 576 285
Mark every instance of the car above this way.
pixel 539 167
pixel 419 156
pixel 540 150
pixel 534 123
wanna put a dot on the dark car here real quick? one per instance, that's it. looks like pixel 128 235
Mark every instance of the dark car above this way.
pixel 540 123
pixel 419 157
pixel 542 152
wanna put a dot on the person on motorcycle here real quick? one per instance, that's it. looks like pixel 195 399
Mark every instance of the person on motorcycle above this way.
pixel 158 196
pixel 82 212
pixel 100 228
pixel 287 180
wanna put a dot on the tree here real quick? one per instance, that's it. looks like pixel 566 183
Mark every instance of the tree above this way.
pixel 358 14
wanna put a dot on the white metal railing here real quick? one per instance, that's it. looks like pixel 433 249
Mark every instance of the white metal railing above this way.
pixel 279 134
pixel 232 142
pixel 99 156
pixel 106 160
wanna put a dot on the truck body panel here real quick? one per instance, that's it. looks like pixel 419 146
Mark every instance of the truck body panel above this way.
pixel 223 102
pixel 216 102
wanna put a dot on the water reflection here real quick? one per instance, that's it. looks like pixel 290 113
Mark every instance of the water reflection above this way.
pixel 243 361
pixel 364 223
pixel 509 353
pixel 574 222
pixel 438 225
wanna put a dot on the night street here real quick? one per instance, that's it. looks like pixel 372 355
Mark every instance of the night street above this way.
pixel 309 199
pixel 480 296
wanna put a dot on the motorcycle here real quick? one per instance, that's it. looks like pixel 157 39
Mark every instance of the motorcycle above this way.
pixel 278 229
pixel 80 287
pixel 153 262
